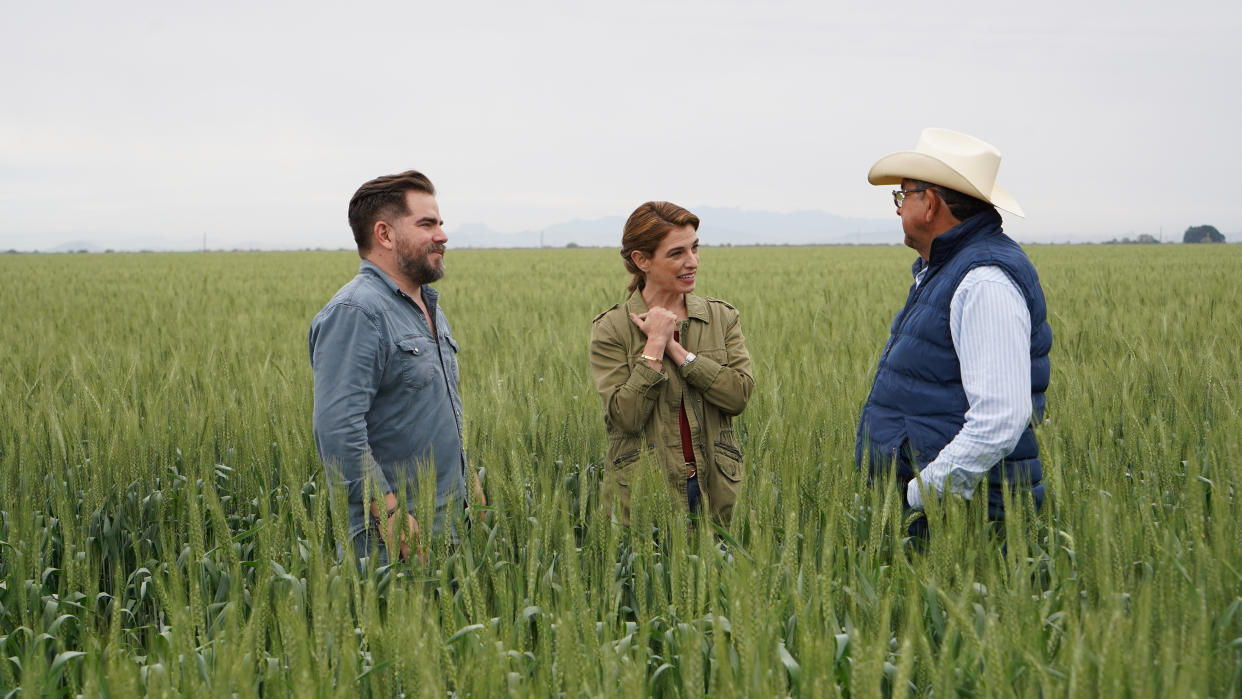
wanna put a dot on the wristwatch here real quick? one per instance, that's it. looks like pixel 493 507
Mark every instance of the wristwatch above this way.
pixel 690 357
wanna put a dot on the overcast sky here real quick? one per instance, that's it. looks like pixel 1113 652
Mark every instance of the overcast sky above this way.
pixel 150 124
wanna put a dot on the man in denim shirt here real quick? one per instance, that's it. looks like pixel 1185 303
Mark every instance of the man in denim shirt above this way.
pixel 387 410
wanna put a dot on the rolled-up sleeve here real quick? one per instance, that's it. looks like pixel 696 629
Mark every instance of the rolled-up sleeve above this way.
pixel 347 361
pixel 629 390
pixel 727 386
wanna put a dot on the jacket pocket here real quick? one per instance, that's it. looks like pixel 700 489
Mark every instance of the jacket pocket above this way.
pixel 729 461
pixel 623 466
pixel 616 492
pixel 417 358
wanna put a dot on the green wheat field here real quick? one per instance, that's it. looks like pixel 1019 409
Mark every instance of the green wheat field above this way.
pixel 166 527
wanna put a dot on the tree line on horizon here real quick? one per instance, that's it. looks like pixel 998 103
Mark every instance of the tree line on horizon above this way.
pixel 1193 234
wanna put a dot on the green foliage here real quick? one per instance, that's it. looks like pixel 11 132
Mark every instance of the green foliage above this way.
pixel 1203 234
pixel 165 526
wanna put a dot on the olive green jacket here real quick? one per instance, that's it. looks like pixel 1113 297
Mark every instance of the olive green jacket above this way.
pixel 641 405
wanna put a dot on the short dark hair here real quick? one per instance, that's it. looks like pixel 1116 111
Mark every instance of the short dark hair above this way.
pixel 962 206
pixel 383 196
pixel 645 230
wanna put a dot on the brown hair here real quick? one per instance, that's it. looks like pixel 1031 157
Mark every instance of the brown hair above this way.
pixel 645 230
pixel 381 197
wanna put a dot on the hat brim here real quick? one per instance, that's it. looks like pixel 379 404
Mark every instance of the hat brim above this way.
pixel 895 167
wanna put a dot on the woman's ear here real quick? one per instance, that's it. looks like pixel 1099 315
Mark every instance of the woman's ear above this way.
pixel 640 260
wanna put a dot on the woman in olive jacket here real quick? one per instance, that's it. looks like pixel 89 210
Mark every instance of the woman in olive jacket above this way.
pixel 672 369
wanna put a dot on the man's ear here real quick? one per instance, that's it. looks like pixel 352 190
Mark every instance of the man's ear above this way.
pixel 384 234
pixel 934 202
pixel 640 260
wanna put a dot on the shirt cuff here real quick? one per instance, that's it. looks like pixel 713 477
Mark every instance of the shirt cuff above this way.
pixel 702 372
pixel 913 497
pixel 644 377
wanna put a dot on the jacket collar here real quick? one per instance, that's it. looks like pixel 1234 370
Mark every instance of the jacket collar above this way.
pixel 696 306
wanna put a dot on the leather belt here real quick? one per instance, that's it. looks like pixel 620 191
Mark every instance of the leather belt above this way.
pixel 691 470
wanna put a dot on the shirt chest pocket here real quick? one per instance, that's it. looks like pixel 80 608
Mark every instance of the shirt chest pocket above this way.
pixel 452 357
pixel 418 360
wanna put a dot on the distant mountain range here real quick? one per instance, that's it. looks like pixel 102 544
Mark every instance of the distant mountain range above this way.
pixel 719 226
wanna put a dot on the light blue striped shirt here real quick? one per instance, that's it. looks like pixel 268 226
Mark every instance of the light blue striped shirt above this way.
pixel 991 329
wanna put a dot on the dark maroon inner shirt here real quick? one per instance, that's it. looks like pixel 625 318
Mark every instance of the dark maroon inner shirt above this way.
pixel 687 445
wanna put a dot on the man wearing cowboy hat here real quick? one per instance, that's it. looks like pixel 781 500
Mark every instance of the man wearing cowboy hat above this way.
pixel 963 375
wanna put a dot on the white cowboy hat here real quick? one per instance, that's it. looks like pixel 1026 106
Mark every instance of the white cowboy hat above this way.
pixel 951 159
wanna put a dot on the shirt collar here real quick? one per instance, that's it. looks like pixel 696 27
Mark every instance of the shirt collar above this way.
pixel 369 267
pixel 696 306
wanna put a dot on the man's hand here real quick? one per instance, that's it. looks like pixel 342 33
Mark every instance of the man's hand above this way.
pixel 479 498
pixel 914 496
pixel 411 542
pixel 399 534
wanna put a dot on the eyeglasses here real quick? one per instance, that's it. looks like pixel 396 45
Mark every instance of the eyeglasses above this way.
pixel 899 195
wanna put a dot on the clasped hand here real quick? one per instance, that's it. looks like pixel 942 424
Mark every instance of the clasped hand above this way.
pixel 657 324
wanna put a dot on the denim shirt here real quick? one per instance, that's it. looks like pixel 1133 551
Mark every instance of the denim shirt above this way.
pixel 386 400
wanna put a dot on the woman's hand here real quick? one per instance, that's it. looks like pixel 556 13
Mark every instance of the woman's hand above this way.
pixel 674 351
pixel 658 325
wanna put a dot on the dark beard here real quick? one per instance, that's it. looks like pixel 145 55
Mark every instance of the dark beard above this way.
pixel 419 270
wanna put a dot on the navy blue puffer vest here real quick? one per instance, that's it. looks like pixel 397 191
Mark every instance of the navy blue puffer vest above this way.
pixel 917 403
